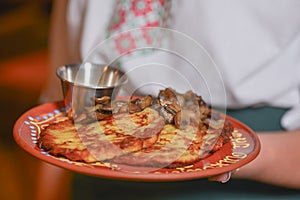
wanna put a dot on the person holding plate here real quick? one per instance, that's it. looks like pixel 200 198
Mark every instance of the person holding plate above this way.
pixel 255 47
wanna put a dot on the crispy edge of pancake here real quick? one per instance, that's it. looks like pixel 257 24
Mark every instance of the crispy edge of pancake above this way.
pixel 66 133
pixel 57 139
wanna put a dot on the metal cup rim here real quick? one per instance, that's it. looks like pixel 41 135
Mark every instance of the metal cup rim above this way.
pixel 100 87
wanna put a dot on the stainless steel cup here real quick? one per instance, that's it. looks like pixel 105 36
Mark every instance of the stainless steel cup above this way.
pixel 82 82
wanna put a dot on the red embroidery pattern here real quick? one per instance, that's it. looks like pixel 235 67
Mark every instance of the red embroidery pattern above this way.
pixel 141 7
pixel 118 20
pixel 125 43
pixel 130 14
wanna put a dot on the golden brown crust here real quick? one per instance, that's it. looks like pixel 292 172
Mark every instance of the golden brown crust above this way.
pixel 98 141
pixel 150 142
pixel 178 147
pixel 173 148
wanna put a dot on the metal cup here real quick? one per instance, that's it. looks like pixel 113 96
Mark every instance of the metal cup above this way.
pixel 81 83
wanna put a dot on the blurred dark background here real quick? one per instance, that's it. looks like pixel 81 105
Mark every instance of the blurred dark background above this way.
pixel 24 27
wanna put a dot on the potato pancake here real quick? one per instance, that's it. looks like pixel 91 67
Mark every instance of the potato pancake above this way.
pixel 102 140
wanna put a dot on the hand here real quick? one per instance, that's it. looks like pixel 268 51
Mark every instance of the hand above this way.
pixel 223 178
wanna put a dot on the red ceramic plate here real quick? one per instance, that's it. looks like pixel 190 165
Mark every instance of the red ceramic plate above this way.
pixel 242 149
